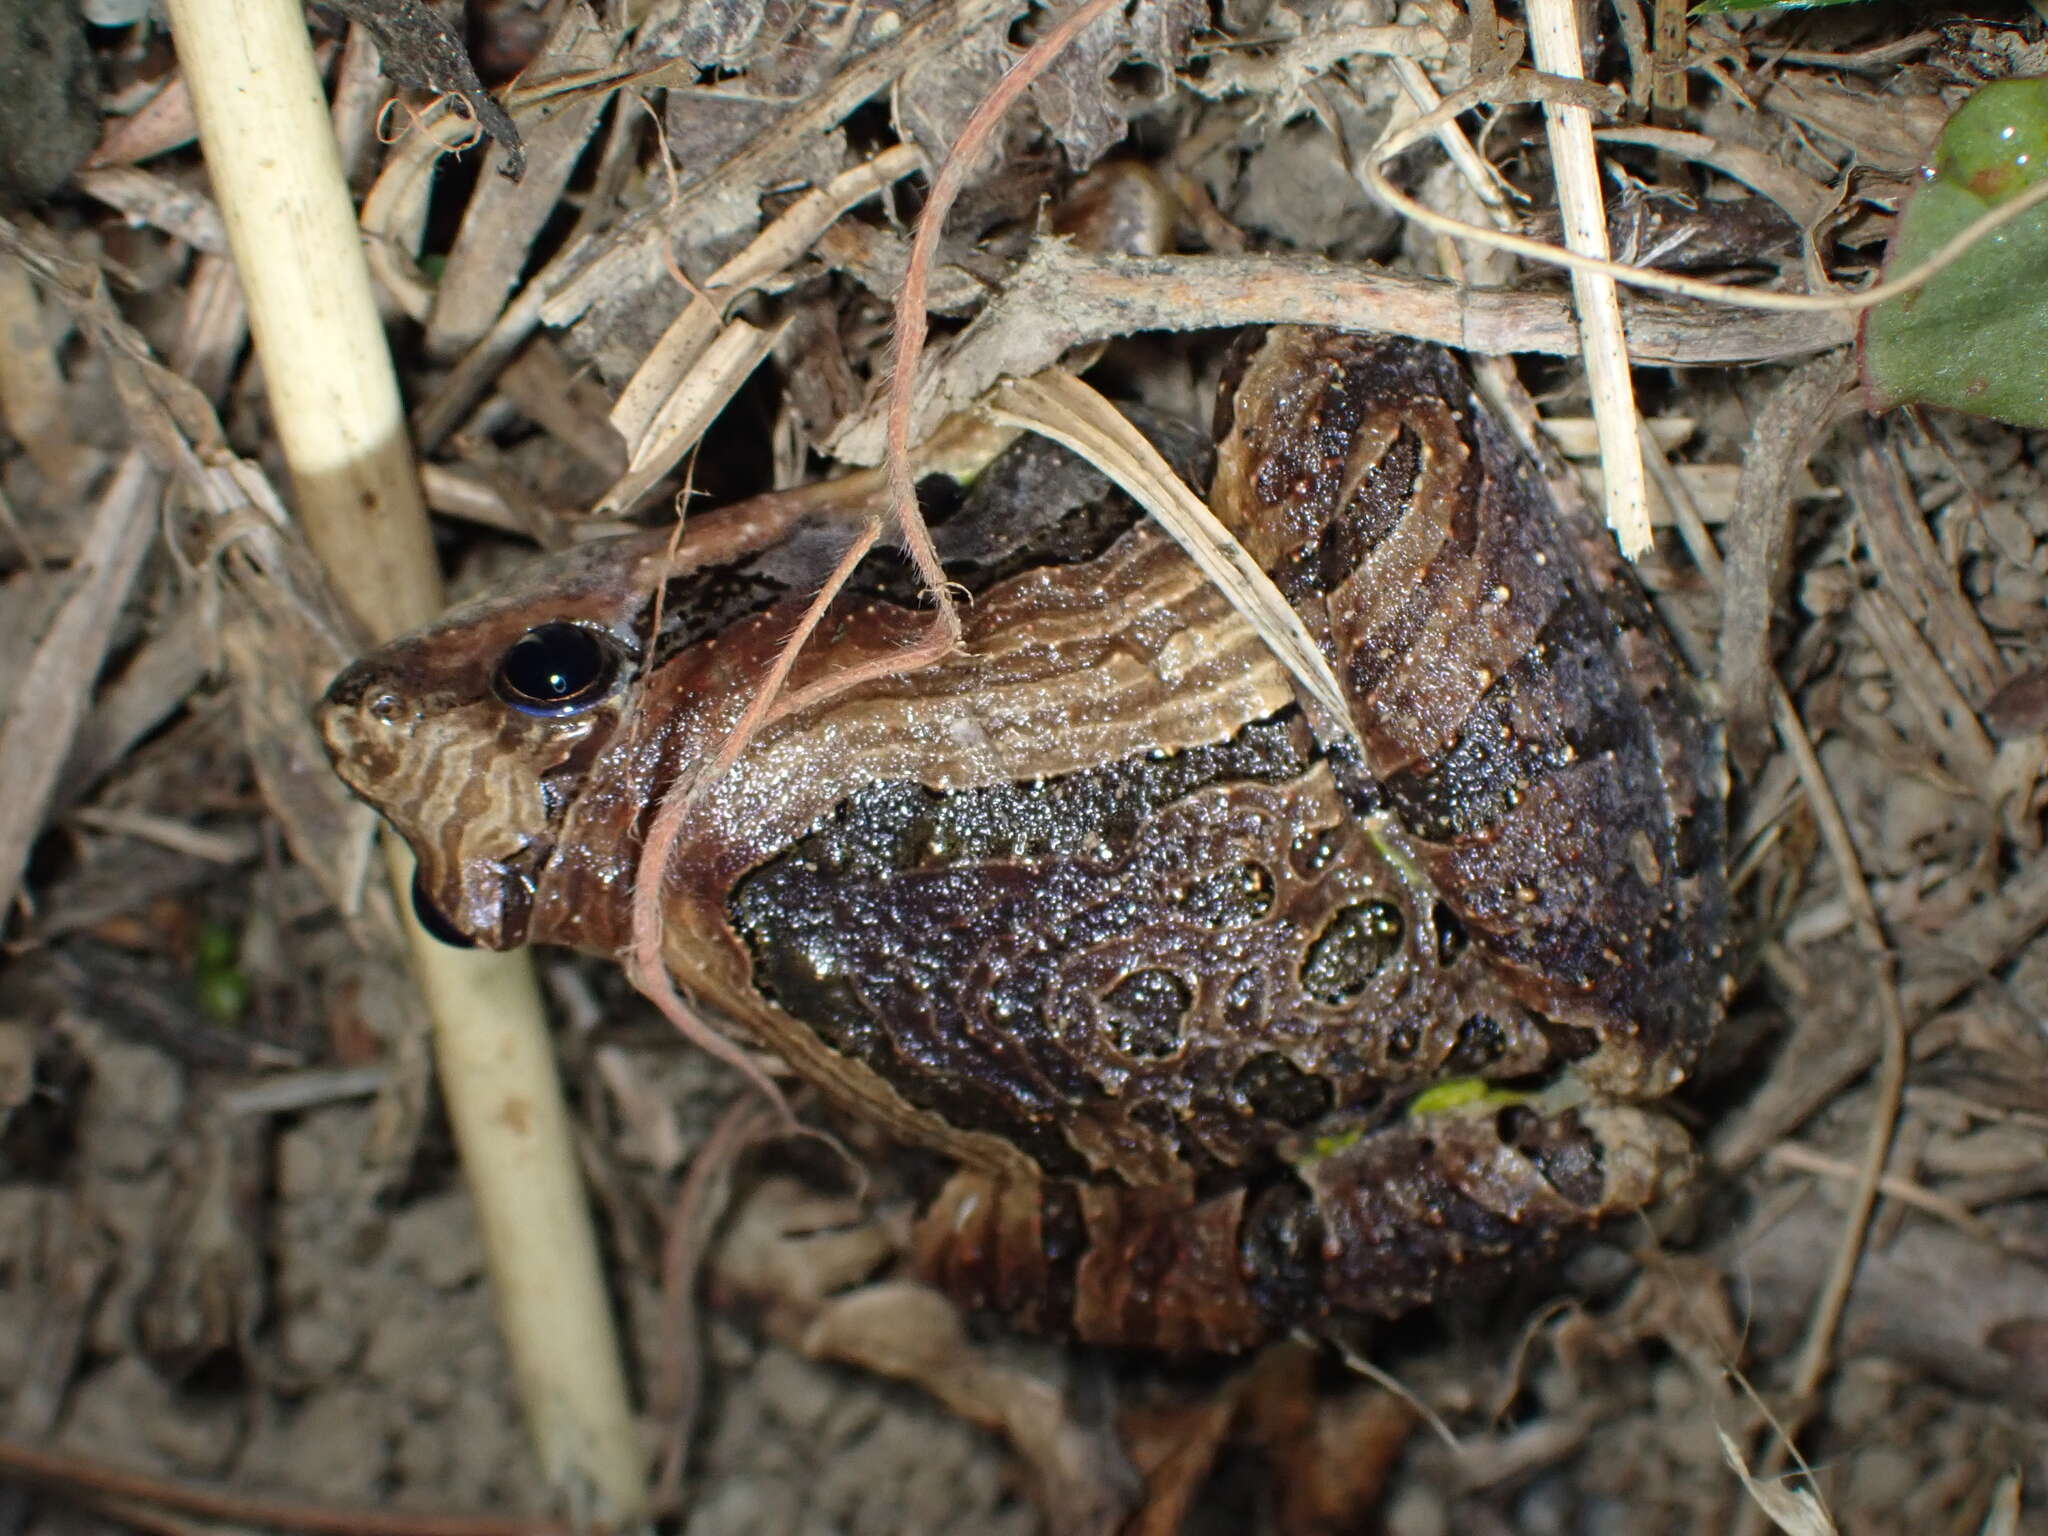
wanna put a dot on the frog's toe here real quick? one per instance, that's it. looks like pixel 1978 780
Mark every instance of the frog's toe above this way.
pixel 1456 1200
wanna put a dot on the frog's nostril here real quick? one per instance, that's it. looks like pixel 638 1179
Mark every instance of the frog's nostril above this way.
pixel 349 686
pixel 367 690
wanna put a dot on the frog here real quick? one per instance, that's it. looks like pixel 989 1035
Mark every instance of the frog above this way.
pixel 1226 1023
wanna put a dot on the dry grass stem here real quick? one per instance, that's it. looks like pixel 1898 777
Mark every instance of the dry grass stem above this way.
pixel 1061 407
pixel 1816 1349
pixel 1061 297
pixel 169 832
pixel 1554 41
pixel 1803 1159
pixel 335 403
pixel 677 1389
pixel 1479 175
pixel 86 1476
pixel 1650 279
pixel 681 419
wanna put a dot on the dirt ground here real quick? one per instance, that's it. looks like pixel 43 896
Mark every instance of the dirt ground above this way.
pixel 236 1248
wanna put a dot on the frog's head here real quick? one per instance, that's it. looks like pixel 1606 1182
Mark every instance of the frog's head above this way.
pixel 476 735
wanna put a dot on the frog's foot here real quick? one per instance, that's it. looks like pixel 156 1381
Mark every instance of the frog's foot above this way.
pixel 1444 1200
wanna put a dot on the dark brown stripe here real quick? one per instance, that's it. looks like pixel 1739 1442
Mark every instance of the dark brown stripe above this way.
pixel 1562 702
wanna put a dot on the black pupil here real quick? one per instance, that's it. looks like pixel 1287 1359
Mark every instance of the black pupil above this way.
pixel 555 666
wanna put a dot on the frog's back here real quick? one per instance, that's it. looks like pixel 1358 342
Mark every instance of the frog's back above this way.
pixel 1520 708
pixel 1209 981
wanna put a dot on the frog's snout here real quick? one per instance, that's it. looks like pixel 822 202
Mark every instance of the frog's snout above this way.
pixel 464 806
pixel 366 689
pixel 366 724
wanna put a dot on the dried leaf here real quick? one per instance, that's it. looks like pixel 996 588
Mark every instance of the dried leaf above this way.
pixel 207 1289
pixel 711 34
pixel 914 1334
pixel 1792 1510
pixel 1713 7
pixel 50 702
pixel 1177 1450
pixel 283 637
pixel 1076 95
pixel 938 95
pixel 2003 1517
pixel 505 215
pixel 422 51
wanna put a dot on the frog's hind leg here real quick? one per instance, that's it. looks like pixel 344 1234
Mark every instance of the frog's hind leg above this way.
pixel 1456 1199
pixel 1439 1202
pixel 1143 1269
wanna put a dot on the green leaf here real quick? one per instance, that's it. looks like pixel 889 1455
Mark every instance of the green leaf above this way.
pixel 1975 336
pixel 217 979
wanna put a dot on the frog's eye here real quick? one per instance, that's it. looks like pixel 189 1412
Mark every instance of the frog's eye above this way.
pixel 556 669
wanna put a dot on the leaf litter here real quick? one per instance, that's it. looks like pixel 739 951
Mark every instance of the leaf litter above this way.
pixel 672 269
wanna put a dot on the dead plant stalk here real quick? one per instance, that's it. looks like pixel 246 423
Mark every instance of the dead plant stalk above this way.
pixel 1554 39
pixel 1526 86
pixel 270 149
pixel 95 1480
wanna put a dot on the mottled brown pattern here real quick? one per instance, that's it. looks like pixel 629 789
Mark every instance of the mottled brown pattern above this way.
pixel 1086 907
pixel 1513 693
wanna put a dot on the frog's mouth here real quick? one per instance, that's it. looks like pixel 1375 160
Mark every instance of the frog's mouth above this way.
pixel 461 806
pixel 489 905
pixel 438 924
